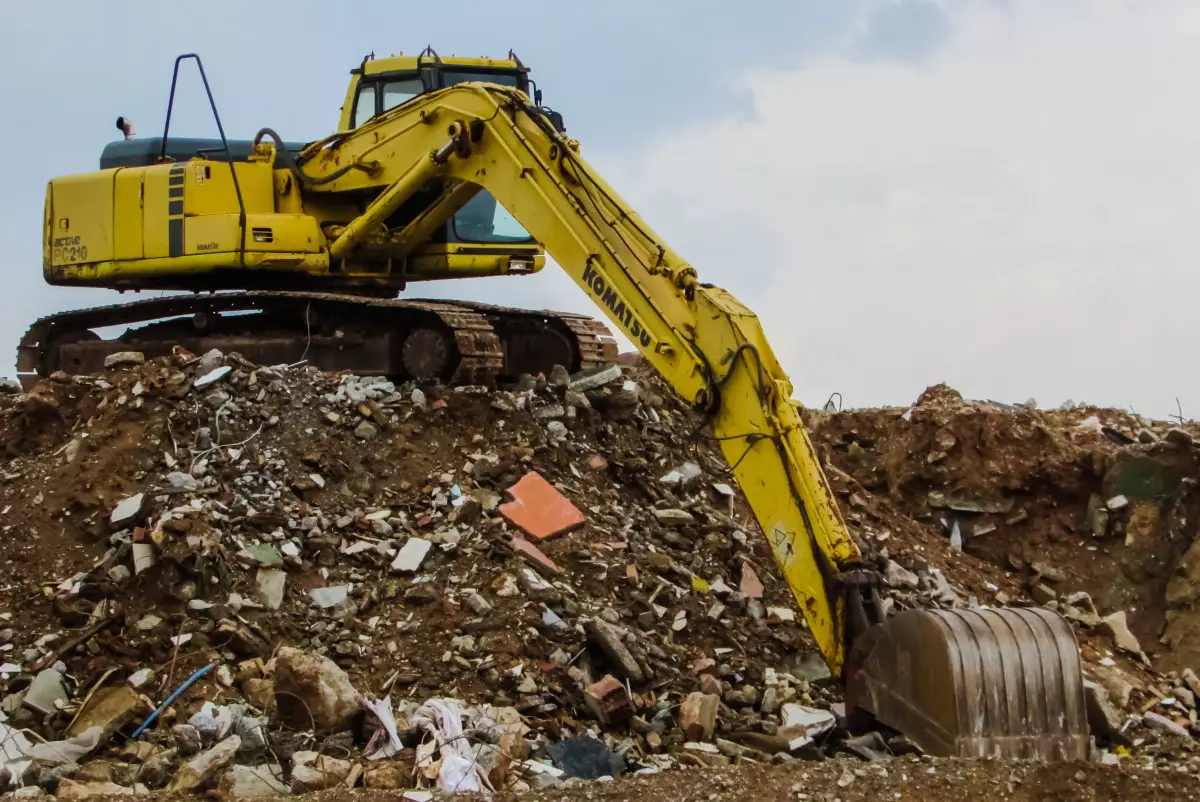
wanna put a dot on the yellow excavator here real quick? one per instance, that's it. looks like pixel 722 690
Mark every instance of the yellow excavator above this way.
pixel 349 219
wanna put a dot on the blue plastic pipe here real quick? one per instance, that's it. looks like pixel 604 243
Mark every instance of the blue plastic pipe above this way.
pixel 172 698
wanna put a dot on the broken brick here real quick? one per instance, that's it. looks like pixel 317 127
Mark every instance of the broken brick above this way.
pixel 608 700
pixel 751 586
pixel 539 509
pixel 698 716
pixel 527 549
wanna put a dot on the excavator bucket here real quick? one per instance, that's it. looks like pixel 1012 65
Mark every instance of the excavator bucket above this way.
pixel 975 683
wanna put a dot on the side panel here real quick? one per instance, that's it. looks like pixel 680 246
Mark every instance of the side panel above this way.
pixel 82 218
pixel 209 187
pixel 127 215
pixel 155 211
pixel 274 233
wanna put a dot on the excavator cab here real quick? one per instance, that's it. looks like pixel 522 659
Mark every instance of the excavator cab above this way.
pixel 380 85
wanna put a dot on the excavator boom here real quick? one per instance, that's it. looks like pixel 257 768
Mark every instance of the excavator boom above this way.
pixel 1008 681
pixel 713 351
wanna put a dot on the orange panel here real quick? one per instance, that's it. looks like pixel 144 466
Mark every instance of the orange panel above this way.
pixel 539 509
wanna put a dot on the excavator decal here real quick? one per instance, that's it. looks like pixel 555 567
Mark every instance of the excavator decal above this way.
pixel 608 296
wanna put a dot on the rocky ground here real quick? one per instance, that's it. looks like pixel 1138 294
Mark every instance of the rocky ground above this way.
pixel 264 581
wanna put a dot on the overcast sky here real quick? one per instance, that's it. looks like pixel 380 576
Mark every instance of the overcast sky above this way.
pixel 999 194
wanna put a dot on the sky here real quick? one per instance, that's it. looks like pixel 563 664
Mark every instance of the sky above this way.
pixel 997 194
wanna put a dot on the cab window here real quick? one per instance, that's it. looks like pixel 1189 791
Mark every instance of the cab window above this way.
pixel 397 92
pixel 364 107
pixel 482 219
pixel 453 77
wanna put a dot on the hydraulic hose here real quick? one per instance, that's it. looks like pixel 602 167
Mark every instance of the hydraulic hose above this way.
pixel 290 162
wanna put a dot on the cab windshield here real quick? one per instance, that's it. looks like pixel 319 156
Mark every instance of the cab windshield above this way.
pixel 482 219
pixel 377 96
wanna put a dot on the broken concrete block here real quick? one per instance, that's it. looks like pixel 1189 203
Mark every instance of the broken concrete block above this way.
pixel 187 739
pixel 47 693
pixel 1192 680
pixel 271 584
pixel 698 716
pixel 386 777
pixel 127 511
pixel 110 710
pixel 1116 626
pixel 1184 585
pixel 1042 593
pixel 965 502
pixel 1103 718
pixel 201 770
pixel 247 782
pixel 539 509
pixel 70 789
pixel 683 475
pixel 1097 515
pixel 411 554
pixel 1156 721
pixel 329 597
pixel 316 772
pixel 673 517
pixel 750 586
pixel 124 358
pixel 312 692
pixel 597 377
pixel 610 640
pixel 899 577
pixel 1178 437
pixel 798 721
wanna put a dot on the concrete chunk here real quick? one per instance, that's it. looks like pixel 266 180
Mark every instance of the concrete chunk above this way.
pixel 46 692
pixel 127 511
pixel 598 377
pixel 271 584
pixel 110 709
pixel 672 517
pixel 247 782
pixel 698 716
pixel 312 692
pixel 609 639
pixel 204 767
pixel 411 554
pixel 124 358
pixel 1103 718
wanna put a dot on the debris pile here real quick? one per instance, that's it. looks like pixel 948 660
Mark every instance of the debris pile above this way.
pixel 1088 511
pixel 270 580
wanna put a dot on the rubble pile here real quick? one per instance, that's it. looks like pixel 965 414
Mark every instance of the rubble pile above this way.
pixel 270 580
pixel 1088 511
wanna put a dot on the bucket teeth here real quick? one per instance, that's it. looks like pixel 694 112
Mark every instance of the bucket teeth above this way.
pixel 975 683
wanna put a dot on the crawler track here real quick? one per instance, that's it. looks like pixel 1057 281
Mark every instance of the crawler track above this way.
pixel 458 342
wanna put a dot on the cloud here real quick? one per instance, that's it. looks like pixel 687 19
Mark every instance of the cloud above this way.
pixel 1014 213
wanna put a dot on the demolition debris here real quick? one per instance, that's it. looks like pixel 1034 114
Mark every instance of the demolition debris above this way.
pixel 270 580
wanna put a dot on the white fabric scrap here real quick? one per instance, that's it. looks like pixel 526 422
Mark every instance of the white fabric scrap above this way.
pixel 385 741
pixel 442 719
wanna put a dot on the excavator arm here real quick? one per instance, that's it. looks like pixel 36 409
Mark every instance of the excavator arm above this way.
pixel 960 682
pixel 706 344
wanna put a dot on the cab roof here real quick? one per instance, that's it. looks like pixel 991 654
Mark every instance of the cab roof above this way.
pixel 403 63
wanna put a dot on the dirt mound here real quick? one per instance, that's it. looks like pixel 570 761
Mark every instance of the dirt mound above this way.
pixel 1079 499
